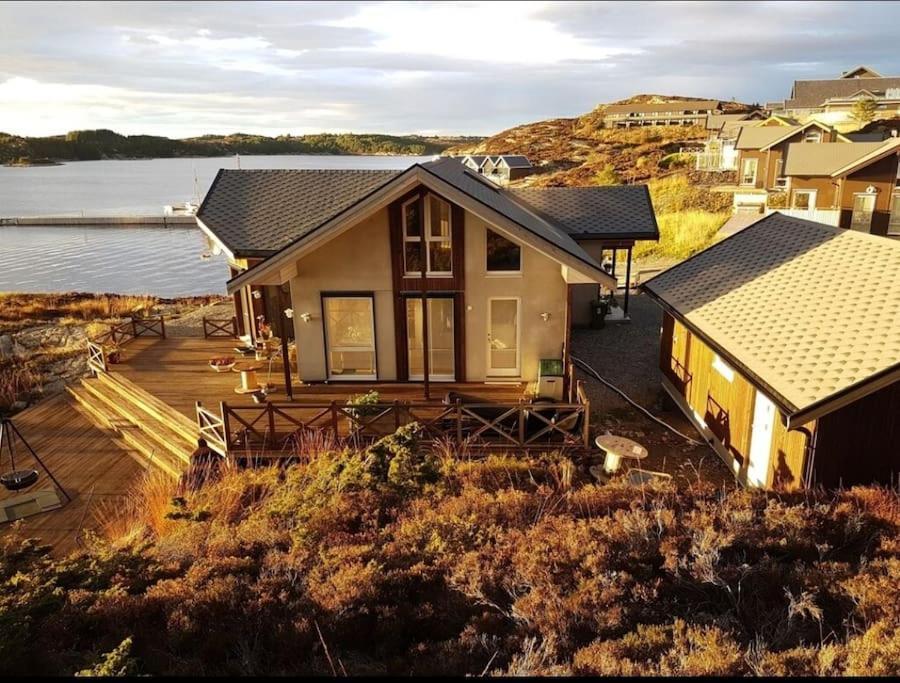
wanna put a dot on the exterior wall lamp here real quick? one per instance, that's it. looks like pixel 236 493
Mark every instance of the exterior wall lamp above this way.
pixel 305 317
pixel 545 316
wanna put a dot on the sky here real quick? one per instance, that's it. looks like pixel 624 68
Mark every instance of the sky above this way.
pixel 185 68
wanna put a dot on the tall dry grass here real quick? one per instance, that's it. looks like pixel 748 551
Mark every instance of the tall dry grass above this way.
pixel 16 306
pixel 682 235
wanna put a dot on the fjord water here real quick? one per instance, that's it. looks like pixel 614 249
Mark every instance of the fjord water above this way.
pixel 129 260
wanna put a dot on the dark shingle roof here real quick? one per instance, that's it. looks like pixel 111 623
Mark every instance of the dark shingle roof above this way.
pixel 255 213
pixel 811 94
pixel 516 160
pixel 622 211
pixel 503 202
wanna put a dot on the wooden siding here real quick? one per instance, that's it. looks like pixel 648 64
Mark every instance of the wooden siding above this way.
pixel 883 176
pixel 724 407
pixel 859 443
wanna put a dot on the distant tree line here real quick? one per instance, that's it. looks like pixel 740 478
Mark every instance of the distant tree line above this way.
pixel 84 145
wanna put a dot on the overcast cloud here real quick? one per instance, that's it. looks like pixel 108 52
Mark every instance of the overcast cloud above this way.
pixel 182 69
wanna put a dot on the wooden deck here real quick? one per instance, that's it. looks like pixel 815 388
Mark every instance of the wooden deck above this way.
pixel 176 370
pixel 90 466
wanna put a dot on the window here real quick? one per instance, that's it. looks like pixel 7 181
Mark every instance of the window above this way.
pixel 804 200
pixel 863 208
pixel 748 172
pixel 813 136
pixel 438 240
pixel 350 337
pixel 723 368
pixel 503 255
pixel 894 222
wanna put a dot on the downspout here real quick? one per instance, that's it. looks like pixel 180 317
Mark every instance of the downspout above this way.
pixel 809 454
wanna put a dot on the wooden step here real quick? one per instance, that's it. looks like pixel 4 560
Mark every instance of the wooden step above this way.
pixel 116 428
pixel 166 439
pixel 151 451
pixel 151 405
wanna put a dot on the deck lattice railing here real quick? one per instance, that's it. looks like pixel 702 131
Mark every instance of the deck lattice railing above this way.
pixel 272 428
pixel 214 328
pixel 100 347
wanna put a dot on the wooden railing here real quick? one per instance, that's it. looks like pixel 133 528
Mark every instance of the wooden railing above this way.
pixel 273 428
pixel 119 335
pixel 219 328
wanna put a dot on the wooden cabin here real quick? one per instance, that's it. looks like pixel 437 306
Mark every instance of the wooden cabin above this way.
pixel 782 345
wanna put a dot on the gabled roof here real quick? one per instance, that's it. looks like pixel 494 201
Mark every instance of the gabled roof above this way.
pixel 892 146
pixel 617 211
pixel 514 161
pixel 861 71
pixel 764 137
pixel 813 93
pixel 256 212
pixel 716 121
pixel 446 176
pixel 808 312
pixel 477 159
pixel 825 158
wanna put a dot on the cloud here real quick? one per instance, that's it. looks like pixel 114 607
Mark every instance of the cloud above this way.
pixel 190 68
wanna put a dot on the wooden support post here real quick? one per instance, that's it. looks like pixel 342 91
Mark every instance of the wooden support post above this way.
pixel 288 388
pixel 162 326
pixel 226 427
pixel 423 256
pixel 627 282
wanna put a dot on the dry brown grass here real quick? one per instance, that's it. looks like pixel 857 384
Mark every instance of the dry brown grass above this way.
pixel 16 307
pixel 18 380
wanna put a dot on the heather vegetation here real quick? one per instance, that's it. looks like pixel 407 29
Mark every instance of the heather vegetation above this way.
pixel 395 559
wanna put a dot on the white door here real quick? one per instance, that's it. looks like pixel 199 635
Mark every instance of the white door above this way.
pixel 503 337
pixel 761 440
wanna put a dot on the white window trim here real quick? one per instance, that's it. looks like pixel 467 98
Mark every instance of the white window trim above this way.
pixel 723 368
pixel 502 273
pixel 895 201
pixel 755 171
pixel 812 200
pixel 426 226
pixel 874 197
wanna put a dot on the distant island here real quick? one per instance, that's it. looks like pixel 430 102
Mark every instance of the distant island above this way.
pixel 87 145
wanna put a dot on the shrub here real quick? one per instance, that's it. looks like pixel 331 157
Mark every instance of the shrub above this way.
pixel 607 176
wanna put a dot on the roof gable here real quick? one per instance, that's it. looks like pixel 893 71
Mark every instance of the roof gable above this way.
pixel 257 212
pixel 768 297
pixel 826 158
pixel 861 72
pixel 457 183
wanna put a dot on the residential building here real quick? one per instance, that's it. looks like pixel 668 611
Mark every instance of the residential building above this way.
pixel 501 168
pixel 761 151
pixel 353 254
pixel 831 100
pixel 677 113
pixel 719 152
pixel 793 379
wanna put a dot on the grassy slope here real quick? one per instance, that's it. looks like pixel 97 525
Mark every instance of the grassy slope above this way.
pixel 402 561
pixel 580 152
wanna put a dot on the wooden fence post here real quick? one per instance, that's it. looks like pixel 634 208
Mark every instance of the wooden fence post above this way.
pixel 226 427
pixel 162 326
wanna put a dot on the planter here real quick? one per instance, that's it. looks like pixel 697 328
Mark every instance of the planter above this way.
pixel 222 368
pixel 114 357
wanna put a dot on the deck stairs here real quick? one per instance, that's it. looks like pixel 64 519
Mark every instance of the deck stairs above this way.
pixel 154 433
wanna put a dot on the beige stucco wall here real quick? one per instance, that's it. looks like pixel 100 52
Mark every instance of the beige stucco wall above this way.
pixel 540 288
pixel 358 260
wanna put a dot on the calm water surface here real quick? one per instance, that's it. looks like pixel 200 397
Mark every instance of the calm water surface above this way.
pixel 163 261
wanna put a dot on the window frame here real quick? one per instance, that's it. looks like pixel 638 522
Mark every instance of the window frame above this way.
pixel 368 296
pixel 755 163
pixel 501 273
pixel 429 238
pixel 868 225
pixel 812 199
pixel 893 227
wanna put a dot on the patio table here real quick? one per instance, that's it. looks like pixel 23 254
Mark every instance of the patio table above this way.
pixel 616 448
pixel 249 380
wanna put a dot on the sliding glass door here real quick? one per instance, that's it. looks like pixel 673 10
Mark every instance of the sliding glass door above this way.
pixel 350 337
pixel 440 339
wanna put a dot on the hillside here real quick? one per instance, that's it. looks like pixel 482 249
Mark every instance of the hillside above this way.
pixel 580 151
pixel 84 145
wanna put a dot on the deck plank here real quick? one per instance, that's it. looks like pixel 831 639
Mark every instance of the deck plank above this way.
pixel 95 472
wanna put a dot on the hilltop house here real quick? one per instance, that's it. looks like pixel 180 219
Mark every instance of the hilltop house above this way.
pixel 792 379
pixel 680 113
pixel 351 255
pixel 831 100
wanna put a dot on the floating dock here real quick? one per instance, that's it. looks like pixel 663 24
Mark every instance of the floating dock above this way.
pixel 155 221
